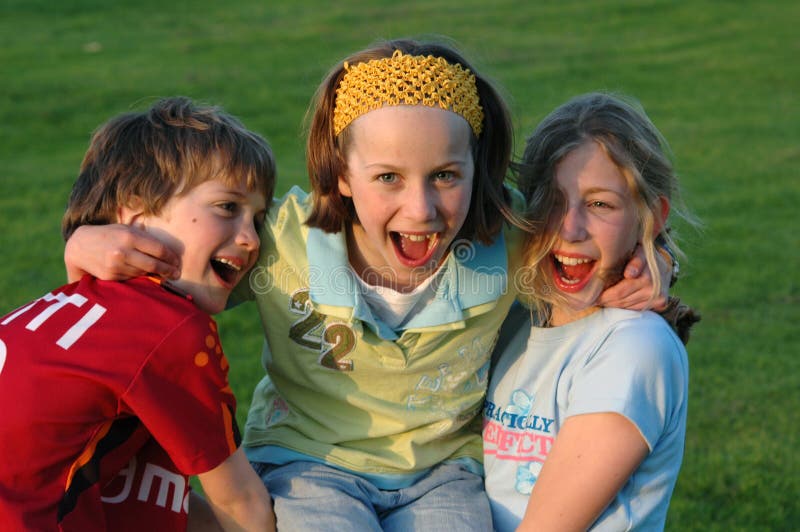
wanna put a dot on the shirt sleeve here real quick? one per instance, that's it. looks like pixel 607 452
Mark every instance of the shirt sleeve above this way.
pixel 183 398
pixel 639 371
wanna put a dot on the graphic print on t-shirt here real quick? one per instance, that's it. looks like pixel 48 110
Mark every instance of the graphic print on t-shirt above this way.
pixel 334 341
pixel 511 432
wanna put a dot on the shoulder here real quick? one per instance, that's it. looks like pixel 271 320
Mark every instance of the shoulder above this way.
pixel 641 326
pixel 516 324
pixel 153 308
pixel 639 369
pixel 643 341
pixel 287 214
pixel 513 337
pixel 296 199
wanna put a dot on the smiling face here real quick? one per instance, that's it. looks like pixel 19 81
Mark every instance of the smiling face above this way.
pixel 409 174
pixel 213 228
pixel 598 233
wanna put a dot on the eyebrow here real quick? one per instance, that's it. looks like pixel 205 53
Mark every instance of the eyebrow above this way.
pixel 391 166
pixel 602 189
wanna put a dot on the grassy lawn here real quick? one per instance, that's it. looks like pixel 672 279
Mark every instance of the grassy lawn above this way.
pixel 720 79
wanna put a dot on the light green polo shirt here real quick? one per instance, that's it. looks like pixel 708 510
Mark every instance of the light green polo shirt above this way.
pixel 344 389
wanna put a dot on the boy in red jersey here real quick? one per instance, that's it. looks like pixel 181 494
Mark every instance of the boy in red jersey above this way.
pixel 114 393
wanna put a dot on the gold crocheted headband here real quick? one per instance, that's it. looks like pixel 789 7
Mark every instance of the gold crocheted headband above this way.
pixel 407 80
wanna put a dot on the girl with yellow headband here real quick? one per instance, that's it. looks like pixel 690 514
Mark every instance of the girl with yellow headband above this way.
pixel 381 294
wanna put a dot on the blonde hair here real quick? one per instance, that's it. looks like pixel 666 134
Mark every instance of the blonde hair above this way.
pixel 630 140
pixel 162 152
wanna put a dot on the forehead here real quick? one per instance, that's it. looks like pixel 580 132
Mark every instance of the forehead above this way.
pixel 589 166
pixel 408 126
pixel 226 186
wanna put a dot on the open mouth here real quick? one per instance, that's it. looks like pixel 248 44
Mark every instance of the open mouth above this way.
pixel 226 269
pixel 572 273
pixel 414 249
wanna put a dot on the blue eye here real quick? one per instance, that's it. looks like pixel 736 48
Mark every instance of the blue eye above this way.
pixel 444 176
pixel 387 178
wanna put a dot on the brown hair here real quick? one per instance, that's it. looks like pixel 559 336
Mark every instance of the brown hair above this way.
pixel 491 151
pixel 162 152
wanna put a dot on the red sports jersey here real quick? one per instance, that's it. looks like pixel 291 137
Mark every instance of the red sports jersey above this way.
pixel 148 494
pixel 89 374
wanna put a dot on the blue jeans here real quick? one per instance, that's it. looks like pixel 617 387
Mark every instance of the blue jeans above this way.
pixel 312 496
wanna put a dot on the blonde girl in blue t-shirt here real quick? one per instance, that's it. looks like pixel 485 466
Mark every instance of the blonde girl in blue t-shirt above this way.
pixel 585 416
pixel 381 294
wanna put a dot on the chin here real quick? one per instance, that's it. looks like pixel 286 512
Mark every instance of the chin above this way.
pixel 583 300
pixel 210 305
pixel 216 307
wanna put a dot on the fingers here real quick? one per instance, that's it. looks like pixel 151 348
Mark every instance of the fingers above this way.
pixel 659 304
pixel 122 264
pixel 139 253
pixel 635 291
pixel 633 294
pixel 636 265
pixel 116 252
pixel 132 263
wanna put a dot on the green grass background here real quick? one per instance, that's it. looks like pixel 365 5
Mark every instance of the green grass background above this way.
pixel 719 78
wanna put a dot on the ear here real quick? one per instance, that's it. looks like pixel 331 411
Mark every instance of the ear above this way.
pixel 344 187
pixel 661 211
pixel 132 213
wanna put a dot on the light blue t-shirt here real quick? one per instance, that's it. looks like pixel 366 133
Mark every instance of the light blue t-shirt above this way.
pixel 613 360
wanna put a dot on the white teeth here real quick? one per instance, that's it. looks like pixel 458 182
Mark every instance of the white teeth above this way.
pixel 571 261
pixel 228 263
pixel 417 238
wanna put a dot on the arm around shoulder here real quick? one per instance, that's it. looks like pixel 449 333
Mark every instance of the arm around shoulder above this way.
pixel 237 496
pixel 116 252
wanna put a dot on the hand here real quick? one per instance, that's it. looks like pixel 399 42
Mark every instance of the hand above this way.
pixel 116 252
pixel 635 290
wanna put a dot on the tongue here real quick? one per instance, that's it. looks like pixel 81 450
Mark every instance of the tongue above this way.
pixel 578 271
pixel 414 250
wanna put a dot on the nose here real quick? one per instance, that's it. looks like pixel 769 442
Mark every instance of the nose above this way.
pixel 247 236
pixel 420 202
pixel 573 225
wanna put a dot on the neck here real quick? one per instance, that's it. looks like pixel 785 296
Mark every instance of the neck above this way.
pixel 563 315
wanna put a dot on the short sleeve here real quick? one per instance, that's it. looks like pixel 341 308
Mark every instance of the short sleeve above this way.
pixel 639 371
pixel 182 397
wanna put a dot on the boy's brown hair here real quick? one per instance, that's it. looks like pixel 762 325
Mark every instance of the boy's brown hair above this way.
pixel 162 152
